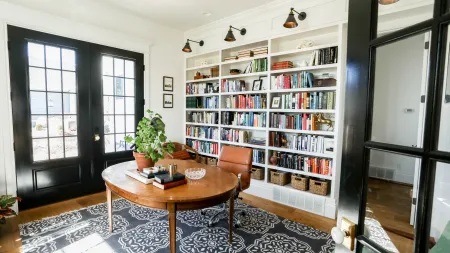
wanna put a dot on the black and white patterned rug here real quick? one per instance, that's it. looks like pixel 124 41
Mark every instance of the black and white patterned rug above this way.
pixel 139 229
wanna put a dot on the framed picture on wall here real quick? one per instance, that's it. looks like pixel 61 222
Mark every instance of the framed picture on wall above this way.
pixel 167 83
pixel 167 100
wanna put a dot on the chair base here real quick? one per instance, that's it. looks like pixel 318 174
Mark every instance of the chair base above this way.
pixel 224 209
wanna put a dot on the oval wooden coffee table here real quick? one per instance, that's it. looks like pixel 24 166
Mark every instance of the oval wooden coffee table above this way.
pixel 215 188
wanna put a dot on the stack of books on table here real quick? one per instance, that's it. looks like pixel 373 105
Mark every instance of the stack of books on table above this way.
pixel 282 65
pixel 165 181
pixel 146 176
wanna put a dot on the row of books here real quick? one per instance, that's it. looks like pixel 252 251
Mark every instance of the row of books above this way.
pixel 232 85
pixel 203 132
pixel 302 142
pixel 203 146
pixel 282 65
pixel 203 117
pixel 307 100
pixel 246 102
pixel 293 81
pixel 259 156
pixel 316 165
pixel 202 88
pixel 203 102
pixel 257 65
pixel 234 135
pixel 248 119
pixel 324 56
pixel 300 121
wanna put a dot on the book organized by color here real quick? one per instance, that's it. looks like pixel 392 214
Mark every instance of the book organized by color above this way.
pixel 324 56
pixel 315 165
pixel 203 117
pixel 299 121
pixel 302 79
pixel 232 85
pixel 203 146
pixel 203 132
pixel 257 65
pixel 234 135
pixel 302 142
pixel 201 88
pixel 259 156
pixel 248 119
pixel 203 102
pixel 308 100
pixel 246 102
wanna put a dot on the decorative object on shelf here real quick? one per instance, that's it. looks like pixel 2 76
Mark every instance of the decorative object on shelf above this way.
pixel 387 2
pixel 235 71
pixel 149 140
pixel 291 22
pixel 276 102
pixel 204 63
pixel 264 82
pixel 195 173
pixel 305 44
pixel 230 36
pixel 215 72
pixel 167 83
pixel 199 75
pixel 187 46
pixel 6 202
pixel 274 159
pixel 303 63
pixel 257 84
pixel 167 100
pixel 322 120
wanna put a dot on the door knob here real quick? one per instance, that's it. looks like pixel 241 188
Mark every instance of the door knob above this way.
pixel 345 235
pixel 96 137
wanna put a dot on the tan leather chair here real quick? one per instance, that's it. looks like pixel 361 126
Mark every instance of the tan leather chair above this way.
pixel 181 152
pixel 238 161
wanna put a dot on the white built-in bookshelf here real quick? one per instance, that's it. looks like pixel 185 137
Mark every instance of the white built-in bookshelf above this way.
pixel 280 49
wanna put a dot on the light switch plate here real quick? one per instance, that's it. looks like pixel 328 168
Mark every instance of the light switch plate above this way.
pixel 350 227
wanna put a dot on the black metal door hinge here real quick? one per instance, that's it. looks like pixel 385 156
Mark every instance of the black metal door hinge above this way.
pixel 422 99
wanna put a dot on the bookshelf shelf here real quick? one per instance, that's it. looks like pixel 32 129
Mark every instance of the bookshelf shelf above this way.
pixel 245 127
pixel 203 67
pixel 264 73
pixel 304 50
pixel 242 110
pixel 305 173
pixel 243 144
pixel 325 66
pixel 258 164
pixel 201 124
pixel 203 95
pixel 287 150
pixel 201 139
pixel 330 88
pixel 302 110
pixel 203 80
pixel 244 92
pixel 326 133
pixel 205 154
pixel 245 59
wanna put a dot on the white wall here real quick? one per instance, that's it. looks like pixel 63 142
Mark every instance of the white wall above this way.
pixel 93 22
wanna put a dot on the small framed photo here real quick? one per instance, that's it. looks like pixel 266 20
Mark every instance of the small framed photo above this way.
pixel 265 82
pixel 167 83
pixel 167 100
pixel 257 84
pixel 276 102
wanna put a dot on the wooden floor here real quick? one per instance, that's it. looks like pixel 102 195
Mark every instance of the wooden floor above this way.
pixel 10 238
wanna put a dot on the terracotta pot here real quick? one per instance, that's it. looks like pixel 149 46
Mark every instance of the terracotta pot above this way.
pixel 274 159
pixel 142 162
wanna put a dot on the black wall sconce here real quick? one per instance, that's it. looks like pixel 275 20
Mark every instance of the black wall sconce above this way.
pixel 187 46
pixel 291 22
pixel 230 36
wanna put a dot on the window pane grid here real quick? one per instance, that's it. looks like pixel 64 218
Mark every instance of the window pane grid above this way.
pixel 118 102
pixel 59 117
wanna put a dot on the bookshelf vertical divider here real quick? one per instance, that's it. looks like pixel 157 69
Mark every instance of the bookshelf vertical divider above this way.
pixel 282 48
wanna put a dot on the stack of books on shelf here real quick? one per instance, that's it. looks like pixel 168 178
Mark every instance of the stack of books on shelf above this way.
pixel 316 165
pixel 260 51
pixel 232 85
pixel 308 100
pixel 257 65
pixel 234 135
pixel 246 102
pixel 166 181
pixel 300 121
pixel 203 132
pixel 298 80
pixel 247 53
pixel 230 58
pixel 244 119
pixel 257 141
pixel 201 88
pixel 282 65
pixel 302 142
pixel 203 117
pixel 324 56
pixel 203 146
pixel 203 102
pixel 259 156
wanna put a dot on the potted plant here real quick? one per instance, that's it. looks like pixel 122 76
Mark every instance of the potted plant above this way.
pixel 149 140
pixel 6 202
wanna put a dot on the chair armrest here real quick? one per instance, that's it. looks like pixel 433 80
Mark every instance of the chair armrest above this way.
pixel 239 179
pixel 193 150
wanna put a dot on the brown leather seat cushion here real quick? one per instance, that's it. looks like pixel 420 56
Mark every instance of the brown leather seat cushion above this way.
pixel 181 155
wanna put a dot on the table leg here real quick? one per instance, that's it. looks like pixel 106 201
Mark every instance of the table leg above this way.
pixel 230 225
pixel 171 207
pixel 109 203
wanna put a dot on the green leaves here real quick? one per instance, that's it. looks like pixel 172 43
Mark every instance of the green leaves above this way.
pixel 7 201
pixel 150 137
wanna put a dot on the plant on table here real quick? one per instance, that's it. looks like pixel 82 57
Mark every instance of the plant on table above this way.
pixel 149 140
pixel 6 202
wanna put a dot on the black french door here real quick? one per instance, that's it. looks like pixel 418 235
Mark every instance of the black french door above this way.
pixel 72 103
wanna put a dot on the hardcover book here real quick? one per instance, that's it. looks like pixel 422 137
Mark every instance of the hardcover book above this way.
pixel 170 185
pixel 166 178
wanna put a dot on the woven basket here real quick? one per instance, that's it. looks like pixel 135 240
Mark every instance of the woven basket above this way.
pixel 300 182
pixel 280 178
pixel 318 187
pixel 257 173
pixel 202 160
pixel 211 161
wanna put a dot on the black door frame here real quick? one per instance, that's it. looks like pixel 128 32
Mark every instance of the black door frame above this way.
pixel 362 43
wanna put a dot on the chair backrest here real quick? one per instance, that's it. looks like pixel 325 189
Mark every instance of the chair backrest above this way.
pixel 237 160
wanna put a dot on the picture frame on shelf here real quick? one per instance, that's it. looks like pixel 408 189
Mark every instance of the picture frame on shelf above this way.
pixel 167 83
pixel 257 84
pixel 276 102
pixel 167 100
pixel 264 82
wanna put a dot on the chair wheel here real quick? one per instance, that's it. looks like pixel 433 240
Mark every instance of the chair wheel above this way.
pixel 243 213
pixel 202 212
pixel 237 225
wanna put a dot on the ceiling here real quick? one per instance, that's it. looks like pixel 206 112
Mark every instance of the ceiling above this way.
pixel 185 14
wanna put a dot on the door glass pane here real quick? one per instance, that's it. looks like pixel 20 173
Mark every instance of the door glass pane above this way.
pixel 118 100
pixel 440 216
pixel 444 135
pixel 390 212
pixel 400 81
pixel 397 14
pixel 57 97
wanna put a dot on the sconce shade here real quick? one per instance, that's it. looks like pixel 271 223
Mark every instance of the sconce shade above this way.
pixel 187 48
pixel 230 36
pixel 387 2
pixel 290 21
